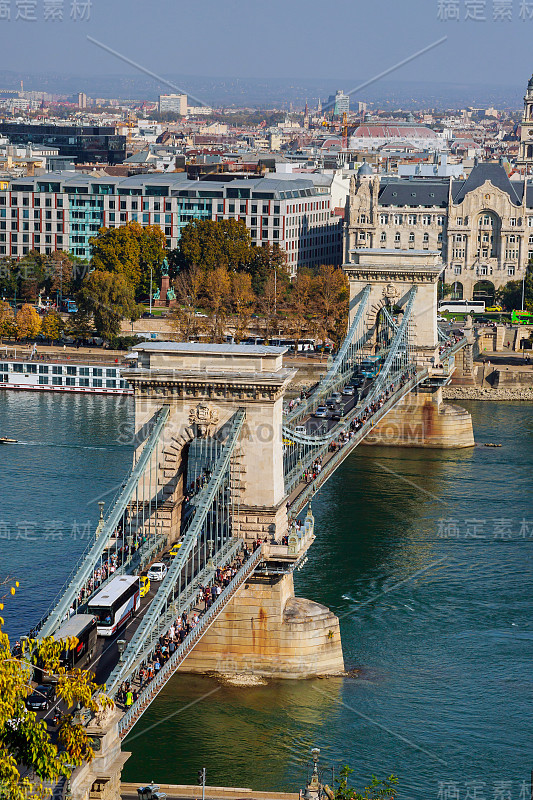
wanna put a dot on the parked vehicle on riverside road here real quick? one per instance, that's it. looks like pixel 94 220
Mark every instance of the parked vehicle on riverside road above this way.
pixel 114 605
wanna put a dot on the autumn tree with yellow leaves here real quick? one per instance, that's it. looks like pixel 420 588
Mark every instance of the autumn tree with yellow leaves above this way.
pixel 29 755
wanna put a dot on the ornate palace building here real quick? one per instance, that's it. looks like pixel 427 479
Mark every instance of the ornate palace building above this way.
pixel 482 226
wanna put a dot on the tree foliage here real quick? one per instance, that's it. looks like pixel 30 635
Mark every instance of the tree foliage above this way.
pixel 510 295
pixel 108 298
pixel 28 322
pixel 52 326
pixel 7 321
pixel 131 250
pixel 377 790
pixel 26 745
pixel 210 244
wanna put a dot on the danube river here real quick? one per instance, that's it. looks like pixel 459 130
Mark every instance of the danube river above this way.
pixel 425 556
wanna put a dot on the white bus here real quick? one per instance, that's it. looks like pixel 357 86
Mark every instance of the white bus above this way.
pixel 462 306
pixel 115 604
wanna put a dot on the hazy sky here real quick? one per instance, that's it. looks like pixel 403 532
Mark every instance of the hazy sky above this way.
pixel 275 38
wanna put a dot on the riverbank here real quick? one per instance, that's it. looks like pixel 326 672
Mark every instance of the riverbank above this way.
pixel 524 393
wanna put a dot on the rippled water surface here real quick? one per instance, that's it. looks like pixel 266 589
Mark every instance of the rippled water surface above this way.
pixel 424 555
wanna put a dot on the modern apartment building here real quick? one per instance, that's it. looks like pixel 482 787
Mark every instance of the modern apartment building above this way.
pixel 82 143
pixel 176 103
pixel 64 210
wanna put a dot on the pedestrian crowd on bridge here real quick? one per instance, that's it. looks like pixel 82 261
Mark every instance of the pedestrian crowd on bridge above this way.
pixel 181 627
pixel 360 420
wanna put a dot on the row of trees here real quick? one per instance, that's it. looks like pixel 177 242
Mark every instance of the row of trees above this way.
pixel 215 269
pixel 27 324
pixel 314 304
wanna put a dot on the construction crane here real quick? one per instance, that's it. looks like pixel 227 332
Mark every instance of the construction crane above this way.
pixel 345 131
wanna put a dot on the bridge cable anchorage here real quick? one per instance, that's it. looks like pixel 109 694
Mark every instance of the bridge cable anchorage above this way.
pixel 193 566
pixel 341 367
pixel 117 520
pixel 303 449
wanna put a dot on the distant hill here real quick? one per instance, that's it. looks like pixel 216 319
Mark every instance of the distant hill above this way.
pixel 270 93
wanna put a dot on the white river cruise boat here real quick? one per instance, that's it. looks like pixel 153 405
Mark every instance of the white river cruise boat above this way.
pixel 63 375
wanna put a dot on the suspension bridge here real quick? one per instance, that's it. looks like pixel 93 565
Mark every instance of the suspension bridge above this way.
pixel 225 468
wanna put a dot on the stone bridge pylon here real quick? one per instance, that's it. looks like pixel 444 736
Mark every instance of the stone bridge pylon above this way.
pixel 422 419
pixel 264 629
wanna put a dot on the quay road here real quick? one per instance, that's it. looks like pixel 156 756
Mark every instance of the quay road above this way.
pixel 185 792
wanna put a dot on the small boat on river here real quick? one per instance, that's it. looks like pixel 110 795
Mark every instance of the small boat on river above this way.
pixel 5 440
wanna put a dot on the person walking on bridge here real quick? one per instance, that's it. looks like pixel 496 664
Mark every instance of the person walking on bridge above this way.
pixel 129 698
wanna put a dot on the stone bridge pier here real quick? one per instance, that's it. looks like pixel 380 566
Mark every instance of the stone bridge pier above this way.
pixel 264 629
pixel 421 419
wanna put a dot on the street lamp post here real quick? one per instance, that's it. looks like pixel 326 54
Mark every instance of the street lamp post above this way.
pixel 151 271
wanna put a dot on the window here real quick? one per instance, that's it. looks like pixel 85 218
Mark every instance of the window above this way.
pixel 57 370
pixel 426 219
pixel 31 369
pixel 457 269
pixel 97 383
pixel 383 219
pixel 43 380
pixel 441 220
pixel 397 238
pixel 111 373
pixel 84 381
pixel 111 384
pixel 426 238
pixel 398 219
pixel 56 381
pixel 70 381
pixel 43 370
pixel 383 237
pixel 411 219
pixel 513 222
pixel 97 371
pixel 71 370
pixel 510 271
pixel 18 367
pixel 84 371
pixel 411 237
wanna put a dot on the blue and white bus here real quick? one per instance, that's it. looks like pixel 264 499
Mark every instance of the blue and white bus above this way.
pixel 114 605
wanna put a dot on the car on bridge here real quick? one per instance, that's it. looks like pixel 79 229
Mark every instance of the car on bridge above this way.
pixel 157 571
pixel 174 550
pixel 41 698
pixel 321 412
pixel 336 397
pixel 349 390
pixel 144 585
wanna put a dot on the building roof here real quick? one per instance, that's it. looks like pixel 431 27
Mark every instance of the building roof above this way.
pixel 496 174
pixel 394 131
pixel 213 349
pixel 414 192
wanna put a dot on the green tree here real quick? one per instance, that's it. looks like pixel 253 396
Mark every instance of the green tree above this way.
pixel 130 250
pixel 52 326
pixel 26 745
pixel 210 244
pixel 265 261
pixel 28 322
pixel 510 295
pixel 382 789
pixel 109 298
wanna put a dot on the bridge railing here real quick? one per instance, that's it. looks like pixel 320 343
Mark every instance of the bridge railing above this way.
pixel 208 525
pixel 165 673
pixel 309 489
pixel 341 368
pixel 69 596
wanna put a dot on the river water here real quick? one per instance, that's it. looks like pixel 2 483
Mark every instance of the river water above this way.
pixel 424 555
